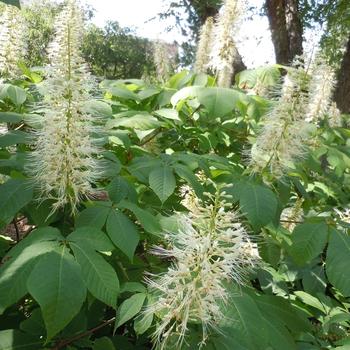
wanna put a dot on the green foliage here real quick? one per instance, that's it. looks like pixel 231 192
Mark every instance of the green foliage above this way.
pixel 115 52
pixel 78 280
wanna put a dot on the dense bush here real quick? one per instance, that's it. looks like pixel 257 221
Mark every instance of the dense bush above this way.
pixel 176 215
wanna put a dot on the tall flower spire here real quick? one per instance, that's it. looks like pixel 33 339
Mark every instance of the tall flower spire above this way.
pixel 64 166
pixel 204 46
pixel 321 91
pixel 283 136
pixel 12 41
pixel 224 48
pixel 162 60
pixel 210 248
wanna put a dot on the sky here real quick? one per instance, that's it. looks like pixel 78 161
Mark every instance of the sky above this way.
pixel 254 40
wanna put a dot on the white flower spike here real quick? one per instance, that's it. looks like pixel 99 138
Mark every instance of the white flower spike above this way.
pixel 224 48
pixel 210 248
pixel 12 41
pixel 64 166
pixel 204 46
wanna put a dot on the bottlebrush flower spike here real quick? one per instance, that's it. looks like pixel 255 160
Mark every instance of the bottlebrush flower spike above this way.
pixel 224 48
pixel 162 60
pixel 204 46
pixel 284 134
pixel 12 41
pixel 64 166
pixel 321 91
pixel 334 116
pixel 210 248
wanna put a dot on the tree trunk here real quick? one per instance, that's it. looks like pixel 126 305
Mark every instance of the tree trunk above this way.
pixel 342 91
pixel 286 29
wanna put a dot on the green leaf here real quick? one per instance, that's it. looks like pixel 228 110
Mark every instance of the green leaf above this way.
pixel 14 137
pixel 129 308
pixel 14 340
pixel 218 101
pixel 118 189
pixel 146 219
pixel 168 113
pixel 15 271
pixel 123 233
pixel 162 181
pixel 258 203
pixel 10 117
pixel 14 194
pixel 56 284
pixel 94 216
pixel 138 121
pixel 16 94
pixel 308 241
pixel 99 109
pixel 310 300
pixel 190 178
pixel 99 276
pixel 280 310
pixel 142 324
pixel 92 236
pixel 338 261
pixel 245 323
pixel 122 92
pixel 103 343
pixel 133 287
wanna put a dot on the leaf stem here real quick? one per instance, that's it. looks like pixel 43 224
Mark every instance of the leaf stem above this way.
pixel 63 343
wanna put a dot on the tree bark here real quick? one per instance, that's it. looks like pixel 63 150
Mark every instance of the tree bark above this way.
pixel 342 91
pixel 286 29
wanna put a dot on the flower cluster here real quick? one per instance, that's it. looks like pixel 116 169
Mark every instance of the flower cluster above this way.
pixel 12 41
pixel 282 139
pixel 204 46
pixel 163 60
pixel 321 91
pixel 209 249
pixel 334 116
pixel 224 49
pixel 63 165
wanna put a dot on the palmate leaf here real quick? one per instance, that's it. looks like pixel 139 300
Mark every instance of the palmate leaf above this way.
pixel 99 276
pixel 57 286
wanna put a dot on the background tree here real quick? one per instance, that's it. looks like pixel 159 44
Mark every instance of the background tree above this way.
pixel 116 52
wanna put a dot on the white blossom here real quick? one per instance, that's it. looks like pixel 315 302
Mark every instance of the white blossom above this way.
pixel 64 166
pixel 224 48
pixel 163 60
pixel 12 41
pixel 210 248
pixel 283 137
pixel 204 46
pixel 334 116
pixel 321 91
